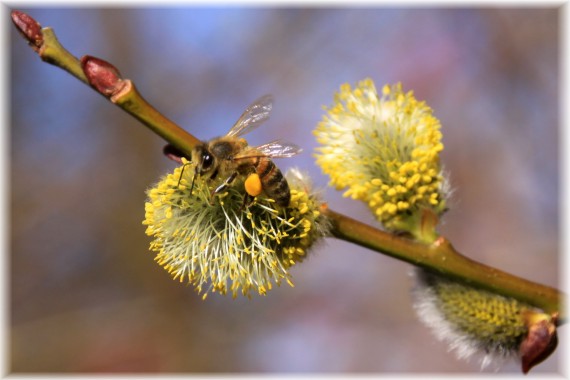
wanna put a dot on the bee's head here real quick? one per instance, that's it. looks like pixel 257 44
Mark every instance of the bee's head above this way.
pixel 203 158
pixel 204 162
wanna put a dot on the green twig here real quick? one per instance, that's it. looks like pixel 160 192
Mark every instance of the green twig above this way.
pixel 440 256
pixel 105 79
pixel 52 52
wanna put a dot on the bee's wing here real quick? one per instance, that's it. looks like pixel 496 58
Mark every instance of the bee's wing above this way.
pixel 253 116
pixel 279 149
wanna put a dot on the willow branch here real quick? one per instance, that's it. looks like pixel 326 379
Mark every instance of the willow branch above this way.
pixel 103 78
pixel 439 256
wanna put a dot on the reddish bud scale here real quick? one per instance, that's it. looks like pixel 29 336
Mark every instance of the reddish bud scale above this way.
pixel 101 75
pixel 29 28
pixel 540 342
pixel 174 153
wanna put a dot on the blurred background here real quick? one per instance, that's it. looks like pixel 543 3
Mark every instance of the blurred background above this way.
pixel 85 293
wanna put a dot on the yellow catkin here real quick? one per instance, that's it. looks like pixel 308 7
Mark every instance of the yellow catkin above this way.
pixel 222 246
pixel 472 321
pixel 384 150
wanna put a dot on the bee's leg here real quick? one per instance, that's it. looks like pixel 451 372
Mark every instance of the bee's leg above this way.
pixel 253 188
pixel 222 187
pixel 247 201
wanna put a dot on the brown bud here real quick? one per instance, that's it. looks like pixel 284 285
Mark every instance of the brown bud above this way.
pixel 101 75
pixel 29 28
pixel 173 153
pixel 539 343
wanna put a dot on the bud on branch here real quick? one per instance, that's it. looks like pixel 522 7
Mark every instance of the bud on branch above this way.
pixel 102 76
pixel 29 28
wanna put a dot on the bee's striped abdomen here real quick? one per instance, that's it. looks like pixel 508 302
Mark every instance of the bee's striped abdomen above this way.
pixel 274 184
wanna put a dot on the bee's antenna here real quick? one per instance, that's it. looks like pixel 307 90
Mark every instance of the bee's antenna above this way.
pixel 182 173
pixel 193 179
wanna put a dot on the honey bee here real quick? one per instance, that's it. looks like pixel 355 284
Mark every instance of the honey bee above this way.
pixel 230 155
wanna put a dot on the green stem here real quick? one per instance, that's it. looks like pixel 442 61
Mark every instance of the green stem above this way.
pixel 128 98
pixel 54 53
pixel 441 257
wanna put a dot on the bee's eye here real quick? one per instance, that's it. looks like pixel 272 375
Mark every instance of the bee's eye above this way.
pixel 207 161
